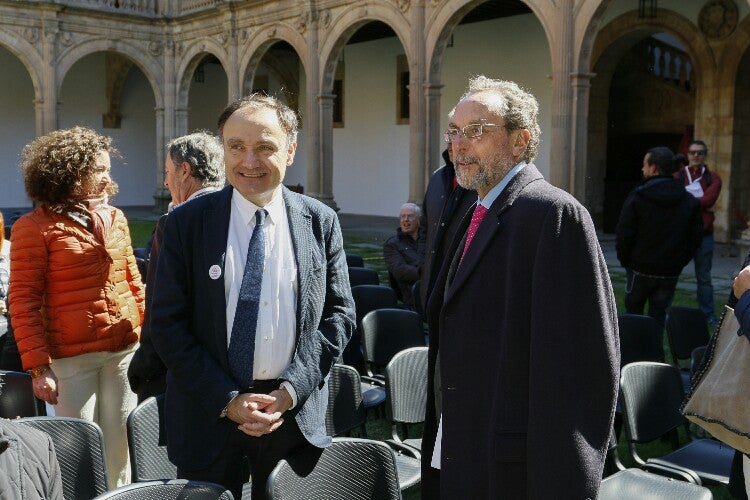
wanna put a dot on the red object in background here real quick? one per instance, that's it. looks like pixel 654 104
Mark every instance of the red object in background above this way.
pixel 687 136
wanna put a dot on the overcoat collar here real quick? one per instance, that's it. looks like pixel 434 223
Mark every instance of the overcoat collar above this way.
pixel 491 225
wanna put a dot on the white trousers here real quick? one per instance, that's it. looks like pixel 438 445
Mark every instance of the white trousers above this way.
pixel 94 386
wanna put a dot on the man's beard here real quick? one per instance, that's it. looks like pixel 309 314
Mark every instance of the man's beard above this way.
pixel 489 173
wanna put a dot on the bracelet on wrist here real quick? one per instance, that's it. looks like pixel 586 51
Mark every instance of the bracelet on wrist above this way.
pixel 38 371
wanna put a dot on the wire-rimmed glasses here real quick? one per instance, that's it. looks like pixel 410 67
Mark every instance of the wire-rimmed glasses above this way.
pixel 470 131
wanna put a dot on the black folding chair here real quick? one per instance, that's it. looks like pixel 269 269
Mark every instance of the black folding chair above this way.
pixel 345 411
pixel 406 390
pixel 17 399
pixel 386 332
pixel 354 260
pixel 175 489
pixel 687 329
pixel 652 396
pixel 363 276
pixel 148 454
pixel 640 339
pixel 349 469
pixel 79 446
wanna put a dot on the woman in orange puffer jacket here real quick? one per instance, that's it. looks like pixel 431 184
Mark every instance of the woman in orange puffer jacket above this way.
pixel 76 296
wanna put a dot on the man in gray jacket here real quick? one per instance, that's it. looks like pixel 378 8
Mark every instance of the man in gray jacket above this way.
pixel 28 464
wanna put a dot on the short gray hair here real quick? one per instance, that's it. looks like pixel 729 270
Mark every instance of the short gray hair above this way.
pixel 417 209
pixel 205 155
pixel 518 107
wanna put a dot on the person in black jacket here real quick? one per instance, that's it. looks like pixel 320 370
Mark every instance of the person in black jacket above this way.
pixel 445 205
pixel 660 228
pixel 404 252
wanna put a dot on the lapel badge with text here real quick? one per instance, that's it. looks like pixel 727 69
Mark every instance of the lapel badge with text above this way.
pixel 214 272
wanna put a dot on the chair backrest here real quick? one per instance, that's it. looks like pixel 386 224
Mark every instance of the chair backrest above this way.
pixel 366 298
pixel 635 483
pixel 173 489
pixel 386 332
pixel 354 260
pixel 363 276
pixel 349 469
pixel 696 358
pixel 651 394
pixel 79 446
pixel 17 398
pixel 148 458
pixel 406 386
pixel 345 408
pixel 687 329
pixel 370 297
pixel 640 339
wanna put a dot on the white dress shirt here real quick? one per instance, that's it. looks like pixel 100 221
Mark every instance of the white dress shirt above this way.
pixel 276 328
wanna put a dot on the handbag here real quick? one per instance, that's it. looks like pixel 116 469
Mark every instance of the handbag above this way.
pixel 718 400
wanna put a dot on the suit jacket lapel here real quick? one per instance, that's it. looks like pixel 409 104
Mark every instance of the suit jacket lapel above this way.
pixel 489 227
pixel 300 222
pixel 215 232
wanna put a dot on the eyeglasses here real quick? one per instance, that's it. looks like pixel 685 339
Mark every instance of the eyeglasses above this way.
pixel 700 152
pixel 470 131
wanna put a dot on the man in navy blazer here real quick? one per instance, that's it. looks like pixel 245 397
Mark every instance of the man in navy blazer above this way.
pixel 526 319
pixel 219 428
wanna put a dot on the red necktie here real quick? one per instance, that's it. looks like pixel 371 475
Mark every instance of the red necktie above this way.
pixel 476 218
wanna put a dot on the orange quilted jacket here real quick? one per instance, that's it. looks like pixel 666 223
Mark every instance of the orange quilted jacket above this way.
pixel 70 293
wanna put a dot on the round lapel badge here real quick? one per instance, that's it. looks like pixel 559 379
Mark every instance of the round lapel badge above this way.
pixel 214 272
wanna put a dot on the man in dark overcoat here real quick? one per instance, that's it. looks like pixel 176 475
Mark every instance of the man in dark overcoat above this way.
pixel 529 352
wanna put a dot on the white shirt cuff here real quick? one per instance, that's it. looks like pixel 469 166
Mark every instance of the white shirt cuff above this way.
pixel 286 385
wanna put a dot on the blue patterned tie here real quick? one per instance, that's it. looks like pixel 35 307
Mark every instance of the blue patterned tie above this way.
pixel 242 342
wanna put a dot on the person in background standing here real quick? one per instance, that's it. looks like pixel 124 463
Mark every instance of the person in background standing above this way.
pixel 194 166
pixel 659 230
pixel 705 186
pixel 76 296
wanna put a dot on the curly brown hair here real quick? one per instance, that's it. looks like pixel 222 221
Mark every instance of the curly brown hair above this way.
pixel 57 165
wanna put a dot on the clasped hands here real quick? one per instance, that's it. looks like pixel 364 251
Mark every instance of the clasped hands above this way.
pixel 259 414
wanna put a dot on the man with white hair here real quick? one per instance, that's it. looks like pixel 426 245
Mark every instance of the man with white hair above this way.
pixel 525 316
pixel 404 252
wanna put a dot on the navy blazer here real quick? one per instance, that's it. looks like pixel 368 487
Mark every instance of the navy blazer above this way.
pixel 188 321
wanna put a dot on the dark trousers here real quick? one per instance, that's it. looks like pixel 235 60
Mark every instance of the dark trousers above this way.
pixel 245 455
pixel 658 291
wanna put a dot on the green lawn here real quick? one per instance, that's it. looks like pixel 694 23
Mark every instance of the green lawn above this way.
pixel 371 250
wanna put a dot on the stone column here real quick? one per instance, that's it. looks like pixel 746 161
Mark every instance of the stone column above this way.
pixel 312 121
pixel 588 189
pixel 417 105
pixel 561 172
pixel 325 172
pixel 166 126
pixel 47 110
pixel 434 142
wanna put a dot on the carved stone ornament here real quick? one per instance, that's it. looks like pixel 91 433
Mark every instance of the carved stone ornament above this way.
pixel 403 5
pixel 301 22
pixel 66 38
pixel 31 34
pixel 718 18
pixel 155 48
pixel 325 18
pixel 223 39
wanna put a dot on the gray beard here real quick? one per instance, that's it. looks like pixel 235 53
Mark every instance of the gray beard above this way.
pixel 489 173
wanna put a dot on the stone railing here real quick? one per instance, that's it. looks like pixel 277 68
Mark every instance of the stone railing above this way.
pixel 145 8
pixel 668 63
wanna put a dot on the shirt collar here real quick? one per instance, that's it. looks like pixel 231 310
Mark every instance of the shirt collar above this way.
pixel 488 200
pixel 246 209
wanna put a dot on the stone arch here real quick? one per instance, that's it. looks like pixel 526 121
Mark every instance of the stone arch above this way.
pixel 144 60
pixel 350 20
pixel 732 53
pixel 665 21
pixel 258 45
pixel 189 61
pixel 587 23
pixel 445 20
pixel 27 54
pixel 613 42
